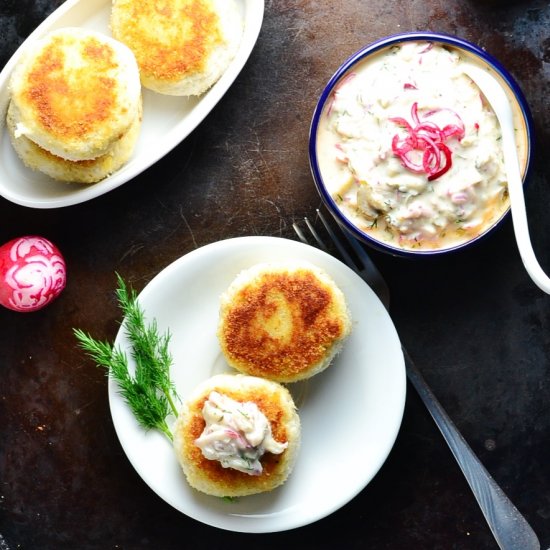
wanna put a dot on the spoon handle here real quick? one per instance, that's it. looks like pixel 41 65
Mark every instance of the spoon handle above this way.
pixel 519 216
pixel 494 93
pixel 509 527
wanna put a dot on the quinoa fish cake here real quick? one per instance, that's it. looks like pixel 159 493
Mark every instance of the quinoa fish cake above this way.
pixel 74 171
pixel 237 435
pixel 283 321
pixel 75 92
pixel 182 46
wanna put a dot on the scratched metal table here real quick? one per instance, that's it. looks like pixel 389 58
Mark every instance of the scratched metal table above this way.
pixel 476 325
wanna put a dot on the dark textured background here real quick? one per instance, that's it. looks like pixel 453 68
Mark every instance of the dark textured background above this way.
pixel 476 325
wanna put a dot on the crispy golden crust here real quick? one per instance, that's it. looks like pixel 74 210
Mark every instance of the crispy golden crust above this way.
pixel 71 93
pixel 65 110
pixel 169 39
pixel 282 323
pixel 74 171
pixel 173 41
pixel 209 476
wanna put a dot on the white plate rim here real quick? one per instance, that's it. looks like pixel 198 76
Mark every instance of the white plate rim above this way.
pixel 253 16
pixel 258 514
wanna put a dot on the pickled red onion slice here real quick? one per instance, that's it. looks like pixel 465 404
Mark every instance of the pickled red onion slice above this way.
pixel 423 148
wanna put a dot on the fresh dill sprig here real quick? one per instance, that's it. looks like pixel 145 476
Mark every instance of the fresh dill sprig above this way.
pixel 150 393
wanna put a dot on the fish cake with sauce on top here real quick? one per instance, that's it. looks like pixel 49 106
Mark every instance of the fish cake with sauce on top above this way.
pixel 237 435
pixel 75 93
pixel 182 46
pixel 283 321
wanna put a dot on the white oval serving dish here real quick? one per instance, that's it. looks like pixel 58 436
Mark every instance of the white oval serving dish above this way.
pixel 167 120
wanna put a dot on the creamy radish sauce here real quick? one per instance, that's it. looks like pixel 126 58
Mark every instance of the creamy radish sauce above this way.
pixel 411 152
pixel 236 434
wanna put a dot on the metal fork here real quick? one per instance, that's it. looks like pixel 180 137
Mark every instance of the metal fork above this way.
pixel 509 527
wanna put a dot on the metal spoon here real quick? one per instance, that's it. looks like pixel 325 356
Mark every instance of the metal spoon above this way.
pixel 496 96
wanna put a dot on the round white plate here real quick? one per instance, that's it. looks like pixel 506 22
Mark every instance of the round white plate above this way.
pixel 166 121
pixel 350 413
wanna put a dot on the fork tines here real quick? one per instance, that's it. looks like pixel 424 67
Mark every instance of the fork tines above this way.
pixel 361 264
pixel 334 238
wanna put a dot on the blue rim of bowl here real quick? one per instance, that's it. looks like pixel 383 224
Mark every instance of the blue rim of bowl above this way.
pixel 372 48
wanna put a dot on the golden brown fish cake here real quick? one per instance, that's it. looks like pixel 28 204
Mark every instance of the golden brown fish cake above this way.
pixel 209 476
pixel 75 92
pixel 182 46
pixel 74 171
pixel 282 321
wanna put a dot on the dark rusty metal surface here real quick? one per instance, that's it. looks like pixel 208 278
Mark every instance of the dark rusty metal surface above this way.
pixel 476 325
